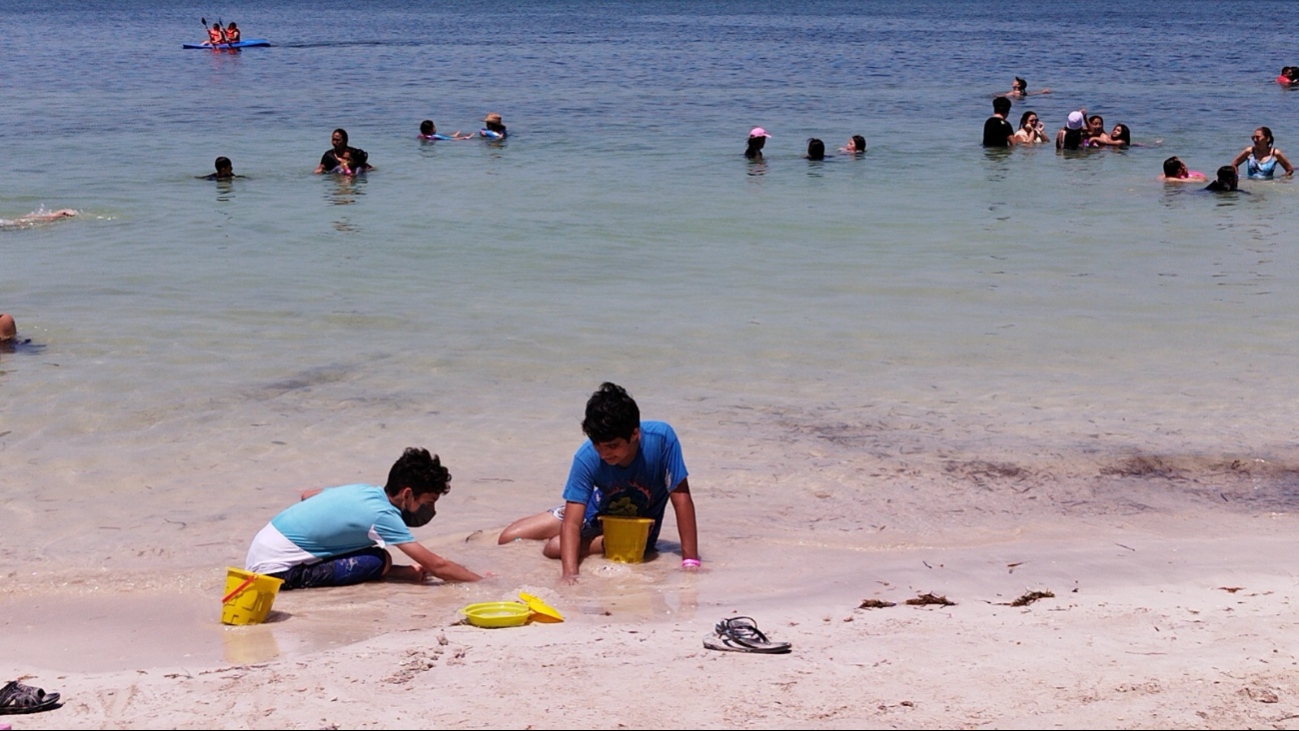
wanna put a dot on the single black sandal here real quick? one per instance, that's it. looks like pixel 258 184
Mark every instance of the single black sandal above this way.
pixel 17 698
pixel 741 634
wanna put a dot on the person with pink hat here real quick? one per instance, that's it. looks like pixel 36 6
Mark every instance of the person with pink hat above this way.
pixel 757 138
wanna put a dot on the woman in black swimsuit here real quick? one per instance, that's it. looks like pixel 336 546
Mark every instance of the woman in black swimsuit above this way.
pixel 343 159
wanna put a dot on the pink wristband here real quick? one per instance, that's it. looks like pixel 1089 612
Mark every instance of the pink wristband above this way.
pixel 690 562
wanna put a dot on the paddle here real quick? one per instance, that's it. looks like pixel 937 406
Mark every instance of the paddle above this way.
pixel 204 21
pixel 222 27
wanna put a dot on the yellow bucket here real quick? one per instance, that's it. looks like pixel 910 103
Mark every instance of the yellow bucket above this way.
pixel 625 538
pixel 248 597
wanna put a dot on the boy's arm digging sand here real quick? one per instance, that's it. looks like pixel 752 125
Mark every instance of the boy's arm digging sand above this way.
pixel 429 563
pixel 684 507
pixel 342 535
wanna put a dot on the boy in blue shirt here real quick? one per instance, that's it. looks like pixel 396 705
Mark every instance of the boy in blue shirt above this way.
pixel 628 467
pixel 336 536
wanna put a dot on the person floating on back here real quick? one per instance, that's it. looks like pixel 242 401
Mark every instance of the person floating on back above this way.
pixel 37 217
pixel 429 131
pixel 337 536
pixel 1019 89
pixel 626 468
pixel 1175 171
pixel 997 132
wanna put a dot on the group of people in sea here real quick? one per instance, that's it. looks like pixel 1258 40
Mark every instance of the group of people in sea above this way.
pixel 343 159
pixel 855 146
pixel 1082 132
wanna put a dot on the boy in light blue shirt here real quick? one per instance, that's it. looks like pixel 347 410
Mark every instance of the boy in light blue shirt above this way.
pixel 338 536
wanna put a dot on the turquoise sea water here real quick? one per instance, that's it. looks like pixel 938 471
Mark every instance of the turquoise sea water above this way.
pixel 200 349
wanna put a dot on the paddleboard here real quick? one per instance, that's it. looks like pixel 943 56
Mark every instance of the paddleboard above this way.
pixel 223 46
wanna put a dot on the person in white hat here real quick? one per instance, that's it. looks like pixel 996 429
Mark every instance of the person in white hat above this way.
pixel 1070 137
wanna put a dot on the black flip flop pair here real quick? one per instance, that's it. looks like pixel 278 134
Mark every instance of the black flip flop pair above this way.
pixel 741 634
pixel 17 698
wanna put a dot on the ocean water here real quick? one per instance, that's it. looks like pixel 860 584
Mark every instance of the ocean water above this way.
pixel 200 351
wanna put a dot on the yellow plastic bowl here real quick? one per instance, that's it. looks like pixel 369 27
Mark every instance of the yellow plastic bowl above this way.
pixel 496 614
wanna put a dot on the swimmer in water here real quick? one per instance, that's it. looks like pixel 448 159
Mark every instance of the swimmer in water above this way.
pixel 224 170
pixel 429 131
pixel 815 149
pixel 1120 137
pixel 1175 171
pixel 1031 130
pixel 343 159
pixel 37 217
pixel 1073 135
pixel 1019 89
pixel 492 127
pixel 1261 158
pixel 856 145
pixel 757 140
pixel 8 328
pixel 1227 181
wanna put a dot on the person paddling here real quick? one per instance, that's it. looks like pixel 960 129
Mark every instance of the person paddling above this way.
pixel 215 36
pixel 232 33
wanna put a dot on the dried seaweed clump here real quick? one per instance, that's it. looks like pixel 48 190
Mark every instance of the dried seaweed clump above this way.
pixel 924 599
pixel 876 604
pixel 1031 597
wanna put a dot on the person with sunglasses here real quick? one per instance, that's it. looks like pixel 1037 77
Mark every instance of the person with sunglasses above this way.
pixel 1261 158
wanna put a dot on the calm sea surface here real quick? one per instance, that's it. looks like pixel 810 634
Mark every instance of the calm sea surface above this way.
pixel 198 348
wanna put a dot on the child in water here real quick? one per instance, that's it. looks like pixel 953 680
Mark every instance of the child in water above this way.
pixel 429 131
pixel 493 129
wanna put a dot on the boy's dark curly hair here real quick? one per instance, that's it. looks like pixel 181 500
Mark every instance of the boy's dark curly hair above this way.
pixel 610 414
pixel 421 472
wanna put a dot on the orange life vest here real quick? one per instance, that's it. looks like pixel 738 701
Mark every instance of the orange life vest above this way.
pixel 214 35
pixel 232 35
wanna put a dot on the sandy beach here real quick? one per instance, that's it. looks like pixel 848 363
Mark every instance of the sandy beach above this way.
pixel 1159 618
pixel 926 369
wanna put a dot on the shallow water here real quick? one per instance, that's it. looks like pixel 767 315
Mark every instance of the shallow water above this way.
pixel 201 351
